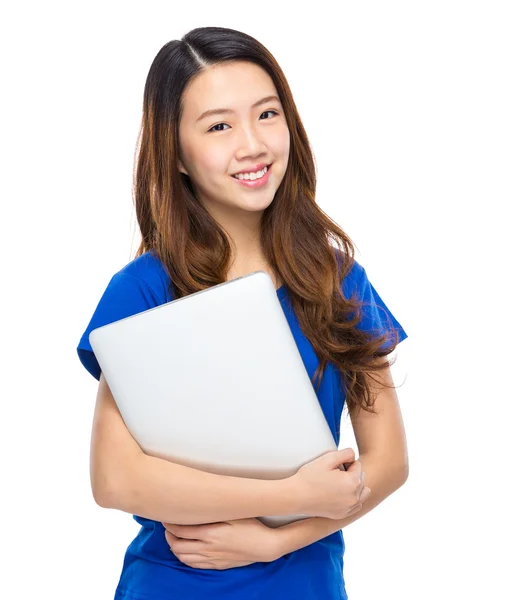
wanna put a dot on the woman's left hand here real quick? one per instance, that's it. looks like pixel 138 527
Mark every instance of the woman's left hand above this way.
pixel 222 545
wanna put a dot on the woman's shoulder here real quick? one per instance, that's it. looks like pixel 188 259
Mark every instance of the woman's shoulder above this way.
pixel 149 269
pixel 355 273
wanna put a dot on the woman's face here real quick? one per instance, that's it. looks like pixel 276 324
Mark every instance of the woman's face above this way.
pixel 217 146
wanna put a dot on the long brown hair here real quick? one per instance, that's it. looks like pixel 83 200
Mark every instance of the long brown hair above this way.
pixel 298 239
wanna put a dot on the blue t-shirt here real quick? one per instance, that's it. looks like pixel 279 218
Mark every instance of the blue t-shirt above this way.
pixel 150 570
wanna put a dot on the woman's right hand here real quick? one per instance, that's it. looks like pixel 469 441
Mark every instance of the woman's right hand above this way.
pixel 326 491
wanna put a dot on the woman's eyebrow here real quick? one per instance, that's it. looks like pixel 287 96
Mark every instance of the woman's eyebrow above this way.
pixel 226 111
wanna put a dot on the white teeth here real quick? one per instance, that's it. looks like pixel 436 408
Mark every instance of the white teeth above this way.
pixel 251 176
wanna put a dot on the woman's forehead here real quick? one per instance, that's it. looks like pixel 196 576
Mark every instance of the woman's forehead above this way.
pixel 227 88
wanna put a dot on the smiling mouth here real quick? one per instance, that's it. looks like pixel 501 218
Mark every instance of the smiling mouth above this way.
pixel 258 178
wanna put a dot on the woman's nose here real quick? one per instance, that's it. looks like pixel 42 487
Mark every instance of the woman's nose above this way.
pixel 250 142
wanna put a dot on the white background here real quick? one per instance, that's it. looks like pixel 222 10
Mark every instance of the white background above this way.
pixel 412 109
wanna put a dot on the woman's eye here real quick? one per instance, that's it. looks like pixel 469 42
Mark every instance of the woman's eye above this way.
pixel 218 124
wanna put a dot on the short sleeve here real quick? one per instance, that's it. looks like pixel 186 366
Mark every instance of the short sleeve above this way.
pixel 124 296
pixel 376 317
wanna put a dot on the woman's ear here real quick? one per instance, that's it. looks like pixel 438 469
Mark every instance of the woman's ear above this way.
pixel 181 168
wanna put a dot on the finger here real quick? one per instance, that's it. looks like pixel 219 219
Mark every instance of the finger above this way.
pixel 196 561
pixel 360 491
pixel 170 527
pixel 179 545
pixel 188 532
pixel 364 494
pixel 361 483
pixel 170 537
pixel 355 468
pixel 363 497
pixel 340 457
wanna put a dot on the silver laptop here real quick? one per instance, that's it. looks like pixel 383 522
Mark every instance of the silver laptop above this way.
pixel 215 381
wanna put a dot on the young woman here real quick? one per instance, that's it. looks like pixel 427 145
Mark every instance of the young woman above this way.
pixel 216 104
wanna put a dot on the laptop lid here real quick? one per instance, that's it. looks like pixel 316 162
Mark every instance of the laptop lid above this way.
pixel 215 381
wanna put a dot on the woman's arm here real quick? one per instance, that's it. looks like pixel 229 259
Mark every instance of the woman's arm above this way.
pixel 383 455
pixel 124 478
pixel 382 478
pixel 171 493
